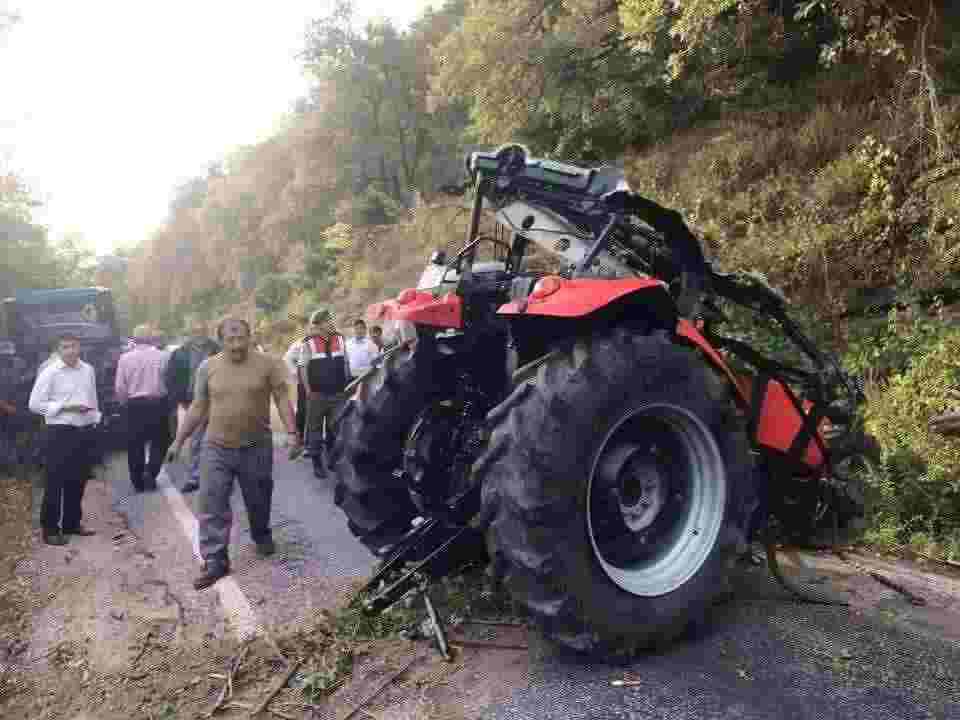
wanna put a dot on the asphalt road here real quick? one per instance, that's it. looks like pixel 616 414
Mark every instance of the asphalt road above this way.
pixel 762 656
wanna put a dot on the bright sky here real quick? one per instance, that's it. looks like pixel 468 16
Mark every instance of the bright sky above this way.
pixel 106 105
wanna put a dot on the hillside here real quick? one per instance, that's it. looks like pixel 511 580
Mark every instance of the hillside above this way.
pixel 811 141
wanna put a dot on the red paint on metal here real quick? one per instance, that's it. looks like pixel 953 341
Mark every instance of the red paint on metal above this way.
pixel 420 308
pixel 576 298
pixel 780 422
pixel 687 330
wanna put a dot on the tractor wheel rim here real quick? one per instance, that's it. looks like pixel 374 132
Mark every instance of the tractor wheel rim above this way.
pixel 656 498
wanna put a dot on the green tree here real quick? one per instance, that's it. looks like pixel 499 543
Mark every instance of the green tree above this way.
pixel 376 80
pixel 273 292
pixel 562 76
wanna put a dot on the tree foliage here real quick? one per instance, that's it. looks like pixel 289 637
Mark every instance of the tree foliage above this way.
pixel 375 94
pixel 28 257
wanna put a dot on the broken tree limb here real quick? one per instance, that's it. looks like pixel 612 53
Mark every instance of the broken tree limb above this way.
pixel 359 706
pixel 914 599
pixel 277 688
pixel 883 580
pixel 227 691
pixel 280 714
pixel 143 649
pixel 488 645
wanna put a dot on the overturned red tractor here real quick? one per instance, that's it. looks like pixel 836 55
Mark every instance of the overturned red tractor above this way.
pixel 584 430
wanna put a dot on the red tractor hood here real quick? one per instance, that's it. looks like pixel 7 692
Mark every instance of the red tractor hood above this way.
pixel 420 308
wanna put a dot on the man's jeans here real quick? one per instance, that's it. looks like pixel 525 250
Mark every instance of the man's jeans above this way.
pixel 196 451
pixel 252 468
pixel 196 444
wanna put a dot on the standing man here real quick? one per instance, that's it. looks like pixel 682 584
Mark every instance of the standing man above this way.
pixel 8 414
pixel 232 393
pixel 376 334
pixel 65 393
pixel 361 350
pixel 140 386
pixel 291 359
pixel 324 372
pixel 180 378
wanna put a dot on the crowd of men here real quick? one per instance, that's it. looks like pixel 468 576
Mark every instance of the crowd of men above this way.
pixel 215 394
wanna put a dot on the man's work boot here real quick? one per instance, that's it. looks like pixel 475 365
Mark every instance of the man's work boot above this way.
pixel 211 573
pixel 266 548
pixel 54 537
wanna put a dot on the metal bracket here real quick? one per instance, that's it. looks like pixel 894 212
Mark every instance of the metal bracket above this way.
pixel 438 630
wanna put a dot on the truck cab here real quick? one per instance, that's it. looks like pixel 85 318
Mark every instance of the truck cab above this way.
pixel 32 320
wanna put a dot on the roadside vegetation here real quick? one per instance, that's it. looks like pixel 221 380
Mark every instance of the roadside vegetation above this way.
pixel 812 141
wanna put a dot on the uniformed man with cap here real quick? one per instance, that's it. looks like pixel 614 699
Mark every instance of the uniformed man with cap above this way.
pixel 324 372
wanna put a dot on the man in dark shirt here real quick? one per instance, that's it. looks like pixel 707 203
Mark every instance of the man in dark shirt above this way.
pixel 181 372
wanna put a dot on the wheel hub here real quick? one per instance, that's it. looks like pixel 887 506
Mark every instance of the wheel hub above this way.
pixel 638 484
pixel 657 496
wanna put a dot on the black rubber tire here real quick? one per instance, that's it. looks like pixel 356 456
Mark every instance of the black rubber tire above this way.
pixel 534 491
pixel 860 450
pixel 369 441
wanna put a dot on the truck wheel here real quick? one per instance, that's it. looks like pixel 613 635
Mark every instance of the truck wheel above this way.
pixel 369 442
pixel 616 493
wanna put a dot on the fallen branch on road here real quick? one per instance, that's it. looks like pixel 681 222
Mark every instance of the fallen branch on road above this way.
pixel 143 649
pixel 277 688
pixel 882 579
pixel 359 706
pixel 227 691
pixel 914 599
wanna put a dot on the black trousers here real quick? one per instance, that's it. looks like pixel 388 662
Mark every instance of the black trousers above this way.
pixel 148 423
pixel 68 465
pixel 301 417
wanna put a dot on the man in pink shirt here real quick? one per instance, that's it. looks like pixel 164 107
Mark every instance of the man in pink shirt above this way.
pixel 140 386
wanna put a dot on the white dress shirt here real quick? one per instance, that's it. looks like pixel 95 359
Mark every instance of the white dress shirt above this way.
pixel 291 358
pixel 360 355
pixel 58 385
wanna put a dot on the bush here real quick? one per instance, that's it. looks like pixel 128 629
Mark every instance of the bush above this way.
pixel 273 291
pixel 922 494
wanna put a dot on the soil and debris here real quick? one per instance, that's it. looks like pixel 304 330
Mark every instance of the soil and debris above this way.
pixel 108 629
pixel 105 629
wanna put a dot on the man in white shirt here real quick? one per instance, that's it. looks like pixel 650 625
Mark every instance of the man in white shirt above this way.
pixel 361 350
pixel 65 393
pixel 291 359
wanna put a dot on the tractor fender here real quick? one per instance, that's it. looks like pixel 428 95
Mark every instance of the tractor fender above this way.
pixel 558 297
pixel 690 334
pixel 419 308
pixel 773 417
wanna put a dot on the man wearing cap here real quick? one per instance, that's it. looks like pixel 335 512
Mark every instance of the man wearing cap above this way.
pixel 140 385
pixel 324 372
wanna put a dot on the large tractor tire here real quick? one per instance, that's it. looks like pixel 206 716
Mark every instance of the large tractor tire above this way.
pixel 858 461
pixel 616 493
pixel 370 435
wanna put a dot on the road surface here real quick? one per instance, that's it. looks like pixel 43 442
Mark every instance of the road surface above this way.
pixel 762 656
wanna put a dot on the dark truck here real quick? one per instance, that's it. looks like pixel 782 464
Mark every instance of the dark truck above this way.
pixel 32 320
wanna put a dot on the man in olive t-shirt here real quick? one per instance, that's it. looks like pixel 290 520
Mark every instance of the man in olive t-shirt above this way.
pixel 233 391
